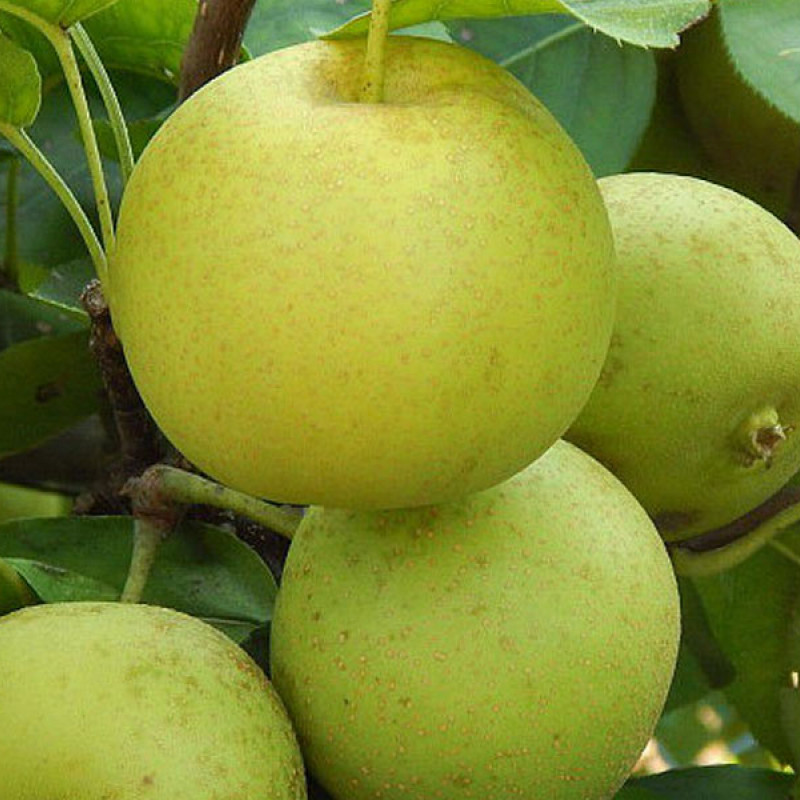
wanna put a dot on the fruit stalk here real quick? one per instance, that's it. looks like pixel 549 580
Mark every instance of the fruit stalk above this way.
pixel 147 536
pixel 62 44
pixel 186 487
pixel 375 61
pixel 110 100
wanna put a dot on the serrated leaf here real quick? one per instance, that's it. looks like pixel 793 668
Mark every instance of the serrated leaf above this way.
pixel 46 385
pixel 763 38
pixel 200 569
pixel 20 85
pixel 61 12
pixel 602 93
pixel 749 608
pixel 653 23
pixel 722 782
pixel 145 36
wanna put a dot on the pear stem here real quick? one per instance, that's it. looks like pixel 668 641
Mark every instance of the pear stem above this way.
pixel 147 538
pixel 375 60
pixel 116 117
pixel 187 488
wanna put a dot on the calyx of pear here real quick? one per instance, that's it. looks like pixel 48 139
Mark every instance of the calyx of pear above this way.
pixel 516 643
pixel 697 406
pixel 363 304
pixel 102 700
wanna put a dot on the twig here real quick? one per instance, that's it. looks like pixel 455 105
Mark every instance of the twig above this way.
pixel 215 43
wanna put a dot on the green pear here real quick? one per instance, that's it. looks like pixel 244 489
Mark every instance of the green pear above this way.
pixel 697 406
pixel 363 305
pixel 754 147
pixel 133 702
pixel 516 643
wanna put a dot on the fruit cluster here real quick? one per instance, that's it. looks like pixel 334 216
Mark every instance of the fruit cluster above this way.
pixel 497 382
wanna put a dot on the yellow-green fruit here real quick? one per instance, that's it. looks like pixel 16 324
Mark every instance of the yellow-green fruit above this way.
pixel 697 407
pixel 363 304
pixel 517 643
pixel 754 147
pixel 132 702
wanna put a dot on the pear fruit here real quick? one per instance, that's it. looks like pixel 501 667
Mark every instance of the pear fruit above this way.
pixel 698 403
pixel 363 305
pixel 108 700
pixel 515 643
pixel 753 146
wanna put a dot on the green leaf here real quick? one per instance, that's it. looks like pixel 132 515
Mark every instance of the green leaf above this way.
pixel 145 36
pixel 602 93
pixel 46 234
pixel 14 592
pixel 46 385
pixel 200 569
pixel 717 783
pixel 280 23
pixel 140 132
pixel 20 85
pixel 61 12
pixel 749 609
pixel 54 584
pixel 763 38
pixel 64 285
pixel 655 23
pixel 23 318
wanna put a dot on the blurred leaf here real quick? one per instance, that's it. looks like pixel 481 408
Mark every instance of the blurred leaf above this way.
pixel 18 502
pixel 61 12
pixel 140 132
pixel 63 286
pixel 23 318
pixel 70 462
pixel 749 609
pixel 652 24
pixel 763 37
pixel 20 85
pixel 630 791
pixel 146 36
pixel 280 23
pixel 600 91
pixel 46 234
pixel 46 385
pixel 200 569
pixel 717 783
pixel 668 144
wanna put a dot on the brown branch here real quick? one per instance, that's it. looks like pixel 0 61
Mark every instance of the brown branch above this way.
pixel 140 442
pixel 215 43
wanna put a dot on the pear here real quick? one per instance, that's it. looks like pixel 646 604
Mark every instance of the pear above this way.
pixel 516 643
pixel 753 146
pixel 109 700
pixel 363 305
pixel 697 406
